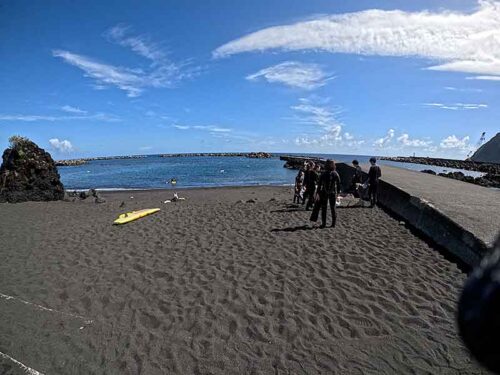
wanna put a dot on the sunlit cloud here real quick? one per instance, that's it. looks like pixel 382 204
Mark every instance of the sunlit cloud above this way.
pixel 460 42
pixel 384 141
pixel 293 74
pixel 453 142
pixel 63 146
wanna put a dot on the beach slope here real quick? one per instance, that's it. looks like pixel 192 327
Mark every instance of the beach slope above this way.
pixel 229 281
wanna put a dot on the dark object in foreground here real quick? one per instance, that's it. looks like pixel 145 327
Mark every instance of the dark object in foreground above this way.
pixel 28 173
pixel 479 311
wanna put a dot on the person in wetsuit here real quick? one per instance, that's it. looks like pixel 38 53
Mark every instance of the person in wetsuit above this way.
pixel 356 178
pixel 374 175
pixel 328 188
pixel 299 181
pixel 310 181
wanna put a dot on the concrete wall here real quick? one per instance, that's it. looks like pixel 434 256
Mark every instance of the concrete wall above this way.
pixel 426 218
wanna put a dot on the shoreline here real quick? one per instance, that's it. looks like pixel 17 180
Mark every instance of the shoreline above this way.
pixel 111 190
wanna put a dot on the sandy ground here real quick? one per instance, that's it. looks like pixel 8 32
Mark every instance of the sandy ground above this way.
pixel 219 285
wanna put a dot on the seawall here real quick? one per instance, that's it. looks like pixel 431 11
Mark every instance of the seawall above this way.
pixel 460 217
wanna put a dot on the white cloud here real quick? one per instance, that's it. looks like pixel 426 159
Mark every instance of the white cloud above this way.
pixel 485 78
pixel 32 118
pixel 466 89
pixel 162 72
pixel 406 141
pixel 383 142
pixel 315 111
pixel 456 106
pixel 70 109
pixel 294 74
pixel 461 42
pixel 210 128
pixel 348 136
pixel 453 142
pixel 61 146
pixel 182 127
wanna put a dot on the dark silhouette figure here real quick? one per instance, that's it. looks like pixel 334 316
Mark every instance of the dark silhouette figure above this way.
pixel 328 188
pixel 310 181
pixel 374 175
pixel 356 178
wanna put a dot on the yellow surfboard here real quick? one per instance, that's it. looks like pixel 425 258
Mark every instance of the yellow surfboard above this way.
pixel 134 215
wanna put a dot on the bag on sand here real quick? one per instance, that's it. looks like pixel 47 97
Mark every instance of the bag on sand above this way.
pixel 363 191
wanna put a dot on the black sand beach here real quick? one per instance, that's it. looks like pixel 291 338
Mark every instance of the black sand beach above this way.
pixel 230 281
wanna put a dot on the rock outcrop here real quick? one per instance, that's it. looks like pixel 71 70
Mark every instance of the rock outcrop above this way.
pixel 28 173
pixel 487 180
pixel 489 152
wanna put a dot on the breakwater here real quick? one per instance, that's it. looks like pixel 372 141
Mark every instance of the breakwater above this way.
pixel 81 161
pixel 253 155
pixel 75 162
pixel 448 163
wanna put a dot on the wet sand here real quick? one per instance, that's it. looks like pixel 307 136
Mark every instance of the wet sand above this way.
pixel 230 281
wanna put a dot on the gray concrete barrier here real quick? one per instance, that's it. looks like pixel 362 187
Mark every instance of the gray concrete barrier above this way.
pixel 426 218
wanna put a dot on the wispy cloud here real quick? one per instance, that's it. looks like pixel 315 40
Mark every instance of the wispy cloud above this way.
pixel 63 146
pixel 182 127
pixel 209 128
pixel 456 106
pixel 70 109
pixel 161 73
pixel 325 119
pixel 294 74
pixel 461 42
pixel 463 89
pixel 485 78
pixel 32 118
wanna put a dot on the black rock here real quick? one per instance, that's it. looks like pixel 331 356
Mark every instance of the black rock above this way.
pixel 28 173
pixel 429 171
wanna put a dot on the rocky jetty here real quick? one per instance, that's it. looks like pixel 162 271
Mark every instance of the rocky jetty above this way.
pixel 489 152
pixel 449 163
pixel 259 155
pixel 28 173
pixel 488 180
pixel 296 162
pixel 254 155
pixel 70 163
pixel 75 162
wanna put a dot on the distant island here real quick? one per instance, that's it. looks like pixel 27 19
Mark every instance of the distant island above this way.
pixel 81 161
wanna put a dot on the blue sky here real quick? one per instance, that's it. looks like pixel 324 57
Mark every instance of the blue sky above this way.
pixel 367 77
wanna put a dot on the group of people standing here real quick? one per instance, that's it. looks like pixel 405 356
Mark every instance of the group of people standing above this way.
pixel 317 188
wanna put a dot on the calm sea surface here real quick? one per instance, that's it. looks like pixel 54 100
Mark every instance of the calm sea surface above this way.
pixel 153 172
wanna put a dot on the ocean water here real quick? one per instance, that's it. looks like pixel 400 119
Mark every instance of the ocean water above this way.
pixel 153 172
